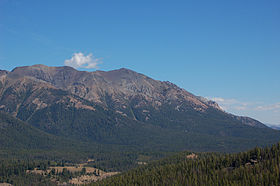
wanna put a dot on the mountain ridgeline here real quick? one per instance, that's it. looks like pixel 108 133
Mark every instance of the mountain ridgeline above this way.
pixel 125 108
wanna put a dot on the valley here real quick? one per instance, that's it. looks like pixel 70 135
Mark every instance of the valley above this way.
pixel 76 174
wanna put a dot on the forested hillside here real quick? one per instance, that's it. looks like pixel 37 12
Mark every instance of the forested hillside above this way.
pixel 259 166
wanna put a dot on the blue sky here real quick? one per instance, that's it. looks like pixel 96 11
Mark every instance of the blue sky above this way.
pixel 228 51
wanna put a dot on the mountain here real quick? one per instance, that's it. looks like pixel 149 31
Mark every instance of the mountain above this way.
pixel 123 107
pixel 120 89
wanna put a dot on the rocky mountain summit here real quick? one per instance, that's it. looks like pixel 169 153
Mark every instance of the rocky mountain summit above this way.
pixel 122 85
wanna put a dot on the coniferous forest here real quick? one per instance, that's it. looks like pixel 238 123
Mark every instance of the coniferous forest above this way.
pixel 259 166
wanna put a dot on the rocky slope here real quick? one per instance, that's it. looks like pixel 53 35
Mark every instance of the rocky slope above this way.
pixel 122 85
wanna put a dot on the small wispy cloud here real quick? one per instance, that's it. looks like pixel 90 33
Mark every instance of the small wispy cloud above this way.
pixel 218 99
pixel 227 104
pixel 273 107
pixel 79 60
pixel 266 112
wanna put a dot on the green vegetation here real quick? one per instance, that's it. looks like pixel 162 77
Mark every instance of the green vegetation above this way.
pixel 166 131
pixel 259 166
pixel 14 172
pixel 21 141
pixel 24 147
pixel 35 172
pixel 117 143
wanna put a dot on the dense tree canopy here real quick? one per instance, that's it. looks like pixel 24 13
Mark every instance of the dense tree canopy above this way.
pixel 259 166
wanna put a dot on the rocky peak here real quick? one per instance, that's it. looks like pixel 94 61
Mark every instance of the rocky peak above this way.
pixel 209 102
pixel 122 85
pixel 57 76
pixel 37 70
pixel 119 75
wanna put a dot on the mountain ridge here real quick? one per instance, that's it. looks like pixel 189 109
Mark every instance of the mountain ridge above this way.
pixel 123 107
pixel 84 84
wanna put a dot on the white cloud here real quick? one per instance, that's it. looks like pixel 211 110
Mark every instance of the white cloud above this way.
pixel 228 104
pixel 218 99
pixel 79 60
pixel 239 105
pixel 267 113
pixel 274 107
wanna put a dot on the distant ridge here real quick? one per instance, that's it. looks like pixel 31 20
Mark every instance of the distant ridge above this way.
pixel 276 127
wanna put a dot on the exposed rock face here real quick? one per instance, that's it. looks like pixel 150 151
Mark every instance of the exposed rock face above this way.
pixel 20 92
pixel 123 90
pixel 121 85
pixel 209 102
